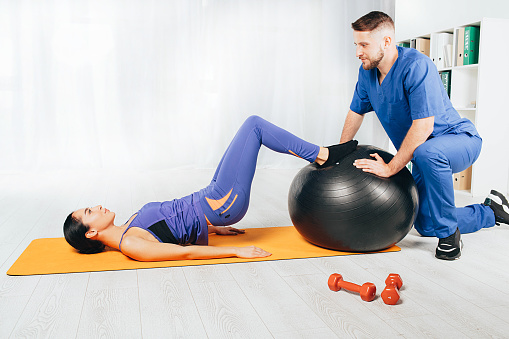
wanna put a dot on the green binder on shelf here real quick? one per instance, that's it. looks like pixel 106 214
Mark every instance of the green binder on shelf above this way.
pixel 404 44
pixel 471 46
pixel 446 80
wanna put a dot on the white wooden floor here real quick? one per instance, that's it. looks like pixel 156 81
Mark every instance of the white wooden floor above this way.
pixel 280 299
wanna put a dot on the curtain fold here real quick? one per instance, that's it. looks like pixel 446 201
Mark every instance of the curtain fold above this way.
pixel 165 84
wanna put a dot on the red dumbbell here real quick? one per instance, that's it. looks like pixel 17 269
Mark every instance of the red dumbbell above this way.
pixel 367 290
pixel 390 294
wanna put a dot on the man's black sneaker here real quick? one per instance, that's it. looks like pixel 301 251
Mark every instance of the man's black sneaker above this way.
pixel 449 248
pixel 498 203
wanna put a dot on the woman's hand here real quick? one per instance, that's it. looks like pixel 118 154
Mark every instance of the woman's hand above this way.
pixel 227 230
pixel 251 252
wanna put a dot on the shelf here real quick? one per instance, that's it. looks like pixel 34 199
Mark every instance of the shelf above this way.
pixel 466 193
pixel 471 109
pixel 459 68
pixel 466 66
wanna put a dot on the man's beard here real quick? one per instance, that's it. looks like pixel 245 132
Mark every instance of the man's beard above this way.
pixel 373 63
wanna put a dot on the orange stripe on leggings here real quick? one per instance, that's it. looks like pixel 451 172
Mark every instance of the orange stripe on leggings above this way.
pixel 236 195
pixel 294 154
pixel 216 204
pixel 208 222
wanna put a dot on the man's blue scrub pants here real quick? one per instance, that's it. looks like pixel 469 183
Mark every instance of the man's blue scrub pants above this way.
pixel 434 162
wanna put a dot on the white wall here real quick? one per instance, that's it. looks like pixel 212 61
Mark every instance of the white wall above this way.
pixel 419 17
pixel 166 84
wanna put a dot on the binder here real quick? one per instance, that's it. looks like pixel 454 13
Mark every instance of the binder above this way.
pixel 471 48
pixel 446 80
pixel 448 55
pixel 433 48
pixel 422 45
pixel 439 41
pixel 412 43
pixel 404 44
pixel 461 46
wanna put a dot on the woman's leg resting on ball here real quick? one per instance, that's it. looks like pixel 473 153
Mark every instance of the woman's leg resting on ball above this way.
pixel 226 199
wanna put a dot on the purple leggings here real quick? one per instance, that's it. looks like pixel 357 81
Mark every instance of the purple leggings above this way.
pixel 226 199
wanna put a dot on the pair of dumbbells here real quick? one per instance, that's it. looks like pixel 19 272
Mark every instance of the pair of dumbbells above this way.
pixel 367 291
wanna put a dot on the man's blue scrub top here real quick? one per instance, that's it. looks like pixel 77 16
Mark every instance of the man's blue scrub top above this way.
pixel 411 90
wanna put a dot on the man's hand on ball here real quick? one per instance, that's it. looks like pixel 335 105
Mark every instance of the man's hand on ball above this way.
pixel 377 166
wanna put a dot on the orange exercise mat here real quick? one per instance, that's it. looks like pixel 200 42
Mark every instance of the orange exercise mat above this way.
pixel 54 255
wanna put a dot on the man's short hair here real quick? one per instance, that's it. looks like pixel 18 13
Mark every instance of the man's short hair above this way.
pixel 373 21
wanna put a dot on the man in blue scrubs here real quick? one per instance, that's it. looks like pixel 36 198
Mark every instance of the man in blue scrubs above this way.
pixel 404 89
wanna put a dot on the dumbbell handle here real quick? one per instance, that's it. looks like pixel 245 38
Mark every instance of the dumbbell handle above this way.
pixel 367 291
pixel 349 286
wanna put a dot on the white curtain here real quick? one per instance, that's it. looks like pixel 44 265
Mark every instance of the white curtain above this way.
pixel 139 84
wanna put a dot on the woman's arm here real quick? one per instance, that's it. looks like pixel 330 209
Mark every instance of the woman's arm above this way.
pixel 145 250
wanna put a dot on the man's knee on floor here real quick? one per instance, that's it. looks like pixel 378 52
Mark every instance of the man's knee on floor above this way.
pixel 425 231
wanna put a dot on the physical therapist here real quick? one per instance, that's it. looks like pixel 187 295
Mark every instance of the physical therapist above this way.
pixel 404 89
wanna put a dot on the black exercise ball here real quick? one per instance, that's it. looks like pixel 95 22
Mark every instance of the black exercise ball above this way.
pixel 343 208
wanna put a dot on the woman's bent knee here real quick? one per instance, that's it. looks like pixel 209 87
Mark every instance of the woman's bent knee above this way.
pixel 253 120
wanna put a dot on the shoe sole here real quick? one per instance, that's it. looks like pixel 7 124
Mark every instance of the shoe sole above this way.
pixel 500 196
pixel 444 257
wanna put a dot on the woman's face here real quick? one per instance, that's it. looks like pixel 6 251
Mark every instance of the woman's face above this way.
pixel 97 218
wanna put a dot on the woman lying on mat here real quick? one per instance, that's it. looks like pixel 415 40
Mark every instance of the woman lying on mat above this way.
pixel 168 230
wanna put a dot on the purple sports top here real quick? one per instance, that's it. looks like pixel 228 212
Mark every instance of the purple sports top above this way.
pixel 180 221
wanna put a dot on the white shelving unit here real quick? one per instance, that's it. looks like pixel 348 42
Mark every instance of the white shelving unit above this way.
pixel 480 93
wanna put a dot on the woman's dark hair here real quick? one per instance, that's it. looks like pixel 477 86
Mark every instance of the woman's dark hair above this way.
pixel 372 21
pixel 74 233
